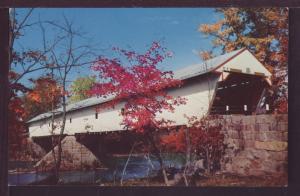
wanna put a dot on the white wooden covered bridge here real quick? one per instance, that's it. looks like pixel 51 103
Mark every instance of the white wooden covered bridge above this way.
pixel 232 83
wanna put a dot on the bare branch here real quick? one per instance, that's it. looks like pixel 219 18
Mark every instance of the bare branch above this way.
pixel 24 20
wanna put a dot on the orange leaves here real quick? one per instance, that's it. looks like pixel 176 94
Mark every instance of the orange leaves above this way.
pixel 45 90
pixel 211 28
pixel 205 139
pixel 203 135
pixel 16 106
pixel 35 97
pixel 44 94
pixel 264 31
pixel 174 141
pixel 206 55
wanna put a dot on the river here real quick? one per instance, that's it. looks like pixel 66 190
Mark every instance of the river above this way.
pixel 139 166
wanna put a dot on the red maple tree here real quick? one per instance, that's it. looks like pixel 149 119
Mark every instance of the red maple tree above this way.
pixel 16 116
pixel 205 140
pixel 135 79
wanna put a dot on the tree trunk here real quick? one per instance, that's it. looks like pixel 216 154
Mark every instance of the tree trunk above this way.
pixel 53 135
pixel 57 163
pixel 158 155
pixel 208 161
pixel 62 129
pixel 125 167
pixel 54 158
pixel 188 155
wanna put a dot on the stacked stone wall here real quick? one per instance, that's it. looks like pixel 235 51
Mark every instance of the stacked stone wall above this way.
pixel 256 145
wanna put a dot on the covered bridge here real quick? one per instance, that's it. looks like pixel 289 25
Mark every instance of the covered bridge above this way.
pixel 232 83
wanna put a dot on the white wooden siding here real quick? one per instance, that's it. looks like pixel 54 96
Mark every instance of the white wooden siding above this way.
pixel 198 96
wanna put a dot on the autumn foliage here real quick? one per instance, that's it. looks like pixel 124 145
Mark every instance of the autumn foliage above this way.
pixel 80 88
pixel 205 137
pixel 24 103
pixel 137 81
pixel 134 79
pixel 264 31
pixel 16 115
pixel 44 96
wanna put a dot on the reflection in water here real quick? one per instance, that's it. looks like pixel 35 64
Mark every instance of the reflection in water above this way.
pixel 139 166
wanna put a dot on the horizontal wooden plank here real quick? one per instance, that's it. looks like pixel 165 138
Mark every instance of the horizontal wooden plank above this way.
pixel 259 74
pixel 235 70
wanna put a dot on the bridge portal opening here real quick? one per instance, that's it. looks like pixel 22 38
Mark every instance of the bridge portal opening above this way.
pixel 239 94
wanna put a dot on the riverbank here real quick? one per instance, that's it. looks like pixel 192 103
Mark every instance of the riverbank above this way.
pixel 222 180
pixel 140 171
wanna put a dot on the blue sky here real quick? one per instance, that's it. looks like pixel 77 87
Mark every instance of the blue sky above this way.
pixel 135 28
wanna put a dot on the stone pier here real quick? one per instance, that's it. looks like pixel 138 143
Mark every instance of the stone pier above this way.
pixel 75 156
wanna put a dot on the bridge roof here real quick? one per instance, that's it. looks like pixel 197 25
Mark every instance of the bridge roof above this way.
pixel 182 74
pixel 206 66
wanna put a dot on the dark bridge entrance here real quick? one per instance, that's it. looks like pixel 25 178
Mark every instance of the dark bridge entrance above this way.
pixel 239 94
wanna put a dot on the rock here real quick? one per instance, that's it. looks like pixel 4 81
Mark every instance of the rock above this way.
pixel 30 152
pixel 36 151
pixel 271 145
pixel 176 180
pixel 199 164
